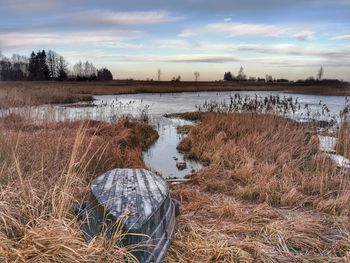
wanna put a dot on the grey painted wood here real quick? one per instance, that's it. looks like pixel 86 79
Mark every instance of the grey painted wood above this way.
pixel 143 197
pixel 136 192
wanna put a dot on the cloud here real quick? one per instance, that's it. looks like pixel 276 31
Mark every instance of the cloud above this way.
pixel 228 19
pixel 176 44
pixel 106 17
pixel 304 35
pixel 224 6
pixel 281 61
pixel 231 29
pixel 256 51
pixel 187 33
pixel 90 20
pixel 185 58
pixel 108 38
pixel 341 37
pixel 238 29
pixel 200 59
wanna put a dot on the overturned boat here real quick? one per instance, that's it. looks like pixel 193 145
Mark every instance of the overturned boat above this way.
pixel 140 196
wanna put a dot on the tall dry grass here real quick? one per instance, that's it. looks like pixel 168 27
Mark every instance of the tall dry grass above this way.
pixel 45 168
pixel 344 137
pixel 18 94
pixel 267 195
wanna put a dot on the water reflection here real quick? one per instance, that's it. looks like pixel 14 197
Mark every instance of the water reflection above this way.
pixel 163 156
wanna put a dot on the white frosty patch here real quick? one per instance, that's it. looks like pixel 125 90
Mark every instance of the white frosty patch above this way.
pixel 327 143
pixel 341 161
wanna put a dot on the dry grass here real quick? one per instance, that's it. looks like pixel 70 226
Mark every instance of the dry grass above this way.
pixel 15 94
pixel 268 195
pixel 44 168
pixel 34 93
pixel 344 138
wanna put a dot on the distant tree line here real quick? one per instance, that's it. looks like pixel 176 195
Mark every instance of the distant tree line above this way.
pixel 48 65
pixel 241 77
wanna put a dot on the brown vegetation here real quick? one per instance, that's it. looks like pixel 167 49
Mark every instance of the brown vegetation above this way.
pixel 45 167
pixel 15 94
pixel 268 194
pixel 344 138
pixel 33 93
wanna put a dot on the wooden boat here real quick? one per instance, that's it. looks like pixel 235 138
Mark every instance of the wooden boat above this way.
pixel 143 198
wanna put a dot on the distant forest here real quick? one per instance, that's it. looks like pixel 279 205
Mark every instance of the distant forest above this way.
pixel 241 77
pixel 49 65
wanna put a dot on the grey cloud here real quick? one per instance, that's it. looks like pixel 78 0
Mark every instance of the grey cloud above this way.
pixel 232 29
pixel 341 37
pixel 304 35
pixel 107 38
pixel 280 49
pixel 219 5
pixel 216 59
pixel 204 59
pixel 107 17
pixel 94 19
pixel 178 6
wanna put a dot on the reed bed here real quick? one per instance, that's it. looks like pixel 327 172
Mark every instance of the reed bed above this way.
pixel 46 168
pixel 268 194
pixel 277 105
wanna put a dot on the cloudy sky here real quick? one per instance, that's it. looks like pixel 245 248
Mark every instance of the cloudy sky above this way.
pixel 134 38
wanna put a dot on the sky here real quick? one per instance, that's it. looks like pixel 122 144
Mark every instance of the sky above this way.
pixel 135 38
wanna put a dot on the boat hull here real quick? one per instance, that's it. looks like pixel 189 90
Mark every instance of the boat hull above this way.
pixel 140 198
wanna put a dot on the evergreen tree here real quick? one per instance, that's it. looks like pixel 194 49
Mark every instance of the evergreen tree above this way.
pixel 32 66
pixel 104 74
pixel 241 75
pixel 228 76
pixel 43 69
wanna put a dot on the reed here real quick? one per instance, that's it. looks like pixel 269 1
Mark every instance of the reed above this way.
pixel 268 194
pixel 46 168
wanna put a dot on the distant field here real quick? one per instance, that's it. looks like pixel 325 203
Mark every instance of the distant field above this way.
pixel 34 93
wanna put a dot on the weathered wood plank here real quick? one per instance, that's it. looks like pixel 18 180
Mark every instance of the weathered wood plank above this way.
pixel 144 196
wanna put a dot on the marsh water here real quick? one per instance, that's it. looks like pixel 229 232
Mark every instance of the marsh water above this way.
pixel 162 156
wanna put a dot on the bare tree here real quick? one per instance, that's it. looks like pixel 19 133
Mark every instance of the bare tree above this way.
pixel 159 74
pixel 52 61
pixel 196 75
pixel 320 73
pixel 89 69
pixel 62 68
pixel 268 78
pixel 85 70
pixel 78 69
pixel 176 79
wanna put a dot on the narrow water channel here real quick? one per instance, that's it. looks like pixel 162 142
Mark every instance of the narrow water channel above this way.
pixel 163 156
